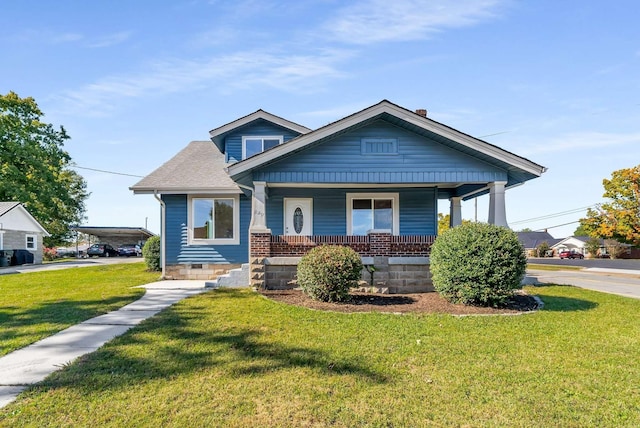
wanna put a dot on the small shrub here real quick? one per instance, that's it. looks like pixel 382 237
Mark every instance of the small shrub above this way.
pixel 542 249
pixel 327 272
pixel 593 247
pixel 49 254
pixel 151 253
pixel 477 264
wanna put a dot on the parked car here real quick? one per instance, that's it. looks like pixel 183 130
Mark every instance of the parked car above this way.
pixel 102 250
pixel 65 252
pixel 570 255
pixel 128 250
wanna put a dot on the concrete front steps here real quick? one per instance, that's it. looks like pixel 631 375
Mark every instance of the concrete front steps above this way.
pixel 235 278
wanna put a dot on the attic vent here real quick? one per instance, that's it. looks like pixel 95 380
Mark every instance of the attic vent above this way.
pixel 379 146
pixel 421 112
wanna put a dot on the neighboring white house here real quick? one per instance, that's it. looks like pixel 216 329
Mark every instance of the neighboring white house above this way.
pixel 572 243
pixel 20 231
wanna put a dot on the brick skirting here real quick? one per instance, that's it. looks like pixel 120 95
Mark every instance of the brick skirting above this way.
pixel 374 244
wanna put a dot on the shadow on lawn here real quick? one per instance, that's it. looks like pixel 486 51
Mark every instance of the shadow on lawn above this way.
pixel 562 303
pixel 54 316
pixel 169 346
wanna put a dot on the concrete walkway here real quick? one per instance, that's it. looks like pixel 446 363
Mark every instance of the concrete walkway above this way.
pixel 32 364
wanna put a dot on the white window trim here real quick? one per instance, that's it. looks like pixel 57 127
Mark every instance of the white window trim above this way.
pixel 236 221
pixel 395 208
pixel 1 239
pixel 280 139
pixel 35 242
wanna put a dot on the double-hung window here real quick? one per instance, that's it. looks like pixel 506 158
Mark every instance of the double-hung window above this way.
pixel 254 145
pixel 372 211
pixel 31 242
pixel 215 220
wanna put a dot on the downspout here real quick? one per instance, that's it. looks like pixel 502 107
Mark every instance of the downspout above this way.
pixel 162 232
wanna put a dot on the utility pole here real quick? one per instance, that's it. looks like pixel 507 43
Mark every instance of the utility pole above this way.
pixel 475 200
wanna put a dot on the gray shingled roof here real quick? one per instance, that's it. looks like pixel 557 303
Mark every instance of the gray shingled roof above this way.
pixel 7 206
pixel 199 167
pixel 533 239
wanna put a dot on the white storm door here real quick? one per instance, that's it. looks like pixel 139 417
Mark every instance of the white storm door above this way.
pixel 298 216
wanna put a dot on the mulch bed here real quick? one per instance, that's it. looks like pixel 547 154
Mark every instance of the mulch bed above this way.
pixel 401 303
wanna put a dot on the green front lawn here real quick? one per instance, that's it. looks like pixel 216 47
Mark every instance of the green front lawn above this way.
pixel 538 266
pixel 233 358
pixel 35 305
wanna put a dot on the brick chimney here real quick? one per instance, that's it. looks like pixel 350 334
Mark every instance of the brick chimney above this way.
pixel 422 112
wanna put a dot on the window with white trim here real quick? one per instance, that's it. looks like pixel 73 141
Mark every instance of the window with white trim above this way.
pixel 1 239
pixel 367 211
pixel 31 242
pixel 214 220
pixel 258 144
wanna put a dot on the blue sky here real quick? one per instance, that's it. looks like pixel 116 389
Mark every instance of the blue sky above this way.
pixel 134 81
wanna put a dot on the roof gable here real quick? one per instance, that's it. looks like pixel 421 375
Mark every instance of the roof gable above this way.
pixel 379 152
pixel 14 216
pixel 218 134
pixel 520 169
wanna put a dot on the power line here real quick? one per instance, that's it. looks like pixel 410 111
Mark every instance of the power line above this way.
pixel 491 135
pixel 557 225
pixel 549 216
pixel 106 172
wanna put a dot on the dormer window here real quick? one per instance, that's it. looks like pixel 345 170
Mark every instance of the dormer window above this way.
pixel 254 145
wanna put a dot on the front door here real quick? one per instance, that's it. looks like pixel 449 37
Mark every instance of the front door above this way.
pixel 298 216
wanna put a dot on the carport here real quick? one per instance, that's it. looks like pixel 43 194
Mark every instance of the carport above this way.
pixel 116 236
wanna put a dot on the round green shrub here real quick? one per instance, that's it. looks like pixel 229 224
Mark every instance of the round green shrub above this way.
pixel 327 272
pixel 151 253
pixel 477 264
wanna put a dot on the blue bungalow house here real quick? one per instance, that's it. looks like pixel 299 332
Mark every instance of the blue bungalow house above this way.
pixel 265 190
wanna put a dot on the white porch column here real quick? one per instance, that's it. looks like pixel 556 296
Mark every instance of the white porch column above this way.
pixel 455 211
pixel 259 207
pixel 497 207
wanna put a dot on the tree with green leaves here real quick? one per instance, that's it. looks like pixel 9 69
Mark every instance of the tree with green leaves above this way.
pixel 444 220
pixel 619 218
pixel 35 169
pixel 593 247
pixel 542 248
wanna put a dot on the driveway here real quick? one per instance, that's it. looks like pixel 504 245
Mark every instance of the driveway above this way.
pixel 588 263
pixel 615 281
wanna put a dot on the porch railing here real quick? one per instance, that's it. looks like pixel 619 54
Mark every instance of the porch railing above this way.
pixel 374 244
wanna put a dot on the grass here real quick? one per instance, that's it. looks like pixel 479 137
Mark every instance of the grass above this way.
pixel 35 305
pixel 233 358
pixel 552 267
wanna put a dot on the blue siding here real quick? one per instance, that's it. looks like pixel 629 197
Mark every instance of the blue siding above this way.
pixel 418 209
pixel 418 160
pixel 176 216
pixel 178 249
pixel 233 141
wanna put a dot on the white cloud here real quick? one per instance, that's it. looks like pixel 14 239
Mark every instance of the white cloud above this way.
pixel 111 39
pixel 241 70
pixel 371 21
pixel 65 38
pixel 579 141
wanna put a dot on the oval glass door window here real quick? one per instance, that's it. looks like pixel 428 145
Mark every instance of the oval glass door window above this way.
pixel 298 220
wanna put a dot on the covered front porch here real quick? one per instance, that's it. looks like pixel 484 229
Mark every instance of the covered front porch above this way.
pixel 396 257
